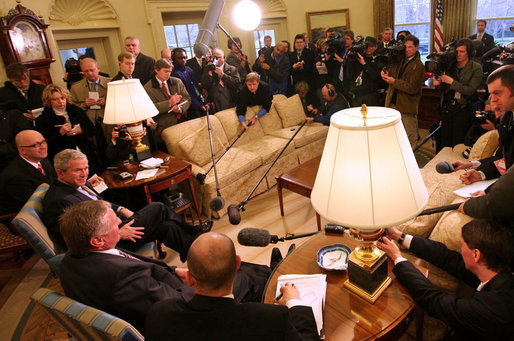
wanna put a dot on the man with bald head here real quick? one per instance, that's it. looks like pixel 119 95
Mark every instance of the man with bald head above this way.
pixel 26 172
pixel 212 265
pixel 144 64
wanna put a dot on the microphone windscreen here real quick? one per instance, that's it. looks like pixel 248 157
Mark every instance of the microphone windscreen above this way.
pixel 444 167
pixel 253 237
pixel 217 203
pixel 233 214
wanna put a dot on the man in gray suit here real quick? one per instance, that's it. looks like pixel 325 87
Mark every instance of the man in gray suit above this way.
pixel 222 83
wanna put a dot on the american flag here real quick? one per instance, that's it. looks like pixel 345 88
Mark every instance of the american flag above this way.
pixel 438 29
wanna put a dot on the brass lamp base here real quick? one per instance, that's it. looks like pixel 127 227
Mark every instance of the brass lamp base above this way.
pixel 139 150
pixel 367 267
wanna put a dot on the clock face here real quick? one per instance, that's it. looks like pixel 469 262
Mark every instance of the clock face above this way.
pixel 27 42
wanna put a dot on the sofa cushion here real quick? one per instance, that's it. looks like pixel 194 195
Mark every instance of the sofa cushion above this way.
pixel 267 147
pixel 485 146
pixel 307 135
pixel 423 225
pixel 271 121
pixel 232 126
pixel 448 229
pixel 190 140
pixel 291 111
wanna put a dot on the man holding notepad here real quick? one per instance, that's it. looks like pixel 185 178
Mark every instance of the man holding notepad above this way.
pixel 212 264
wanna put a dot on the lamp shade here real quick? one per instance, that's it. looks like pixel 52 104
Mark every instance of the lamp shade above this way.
pixel 127 102
pixel 368 177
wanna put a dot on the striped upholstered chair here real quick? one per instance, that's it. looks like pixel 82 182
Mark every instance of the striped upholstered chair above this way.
pixel 84 322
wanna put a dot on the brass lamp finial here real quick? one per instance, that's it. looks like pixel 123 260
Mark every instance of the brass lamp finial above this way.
pixel 364 111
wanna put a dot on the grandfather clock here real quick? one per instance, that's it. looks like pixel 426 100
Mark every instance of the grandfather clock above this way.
pixel 23 39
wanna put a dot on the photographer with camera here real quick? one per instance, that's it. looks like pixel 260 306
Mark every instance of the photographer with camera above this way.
pixel 459 84
pixel 363 72
pixel 274 65
pixel 405 79
pixel 221 81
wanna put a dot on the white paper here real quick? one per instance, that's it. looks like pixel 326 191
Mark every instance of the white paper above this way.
pixel 152 162
pixel 147 173
pixel 313 290
pixel 322 69
pixel 466 191
pixel 94 95
pixel 100 186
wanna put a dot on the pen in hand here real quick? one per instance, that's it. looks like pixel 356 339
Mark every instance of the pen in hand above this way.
pixel 280 296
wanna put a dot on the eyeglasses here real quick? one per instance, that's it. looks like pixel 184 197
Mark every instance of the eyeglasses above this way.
pixel 36 145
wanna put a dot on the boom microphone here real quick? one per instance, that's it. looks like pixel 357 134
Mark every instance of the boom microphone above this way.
pixel 439 209
pixel 233 214
pixel 209 24
pixel 444 167
pixel 217 203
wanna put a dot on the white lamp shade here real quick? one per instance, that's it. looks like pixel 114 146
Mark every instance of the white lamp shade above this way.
pixel 247 15
pixel 127 102
pixel 368 177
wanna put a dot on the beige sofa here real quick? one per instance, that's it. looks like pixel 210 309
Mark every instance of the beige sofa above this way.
pixel 245 163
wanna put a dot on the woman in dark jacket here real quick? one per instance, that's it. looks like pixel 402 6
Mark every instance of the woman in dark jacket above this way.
pixel 65 126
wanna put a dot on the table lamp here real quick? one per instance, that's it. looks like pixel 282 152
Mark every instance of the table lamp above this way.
pixel 128 103
pixel 367 180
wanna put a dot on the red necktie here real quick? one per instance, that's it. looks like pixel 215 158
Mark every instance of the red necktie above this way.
pixel 40 169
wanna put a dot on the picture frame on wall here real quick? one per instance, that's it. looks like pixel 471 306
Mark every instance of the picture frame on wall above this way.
pixel 338 19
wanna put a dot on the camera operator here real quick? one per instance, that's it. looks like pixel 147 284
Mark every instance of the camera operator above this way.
pixel 343 78
pixel 501 86
pixel 460 83
pixel 335 50
pixel 364 73
pixel 405 80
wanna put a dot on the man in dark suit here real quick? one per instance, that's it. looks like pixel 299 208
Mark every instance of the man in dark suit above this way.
pixel 222 83
pixel 197 63
pixel 486 39
pixel 484 264
pixel 144 64
pixel 20 92
pixel 334 102
pixel 122 283
pixel 302 62
pixel 11 123
pixel 126 62
pixel 26 172
pixel 212 265
pixel 155 221
pixel 273 66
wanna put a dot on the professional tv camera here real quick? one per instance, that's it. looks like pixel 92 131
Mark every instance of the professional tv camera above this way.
pixel 392 54
pixel 359 46
pixel 335 43
pixel 72 67
pixel 440 62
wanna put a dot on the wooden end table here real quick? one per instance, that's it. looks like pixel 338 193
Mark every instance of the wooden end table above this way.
pixel 299 179
pixel 177 171
pixel 347 316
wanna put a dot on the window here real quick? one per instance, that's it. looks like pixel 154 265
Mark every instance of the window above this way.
pixel 183 36
pixel 259 35
pixel 76 53
pixel 414 16
pixel 499 15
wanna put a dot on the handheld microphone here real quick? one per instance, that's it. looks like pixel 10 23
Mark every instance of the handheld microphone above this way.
pixel 444 167
pixel 233 214
pixel 217 203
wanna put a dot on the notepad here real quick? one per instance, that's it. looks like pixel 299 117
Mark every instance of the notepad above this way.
pixel 466 191
pixel 313 290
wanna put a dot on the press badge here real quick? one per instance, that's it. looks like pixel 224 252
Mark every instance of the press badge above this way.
pixel 500 165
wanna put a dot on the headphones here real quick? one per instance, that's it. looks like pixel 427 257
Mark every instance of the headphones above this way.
pixel 331 90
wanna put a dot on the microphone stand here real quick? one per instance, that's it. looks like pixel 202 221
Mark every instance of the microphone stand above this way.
pixel 212 153
pixel 425 140
pixel 241 206
pixel 276 239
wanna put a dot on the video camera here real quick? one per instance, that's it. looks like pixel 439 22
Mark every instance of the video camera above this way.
pixel 358 46
pixel 440 62
pixel 392 54
pixel 72 67
pixel 335 43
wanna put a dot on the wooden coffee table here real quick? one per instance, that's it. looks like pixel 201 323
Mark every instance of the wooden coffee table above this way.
pixel 347 316
pixel 299 179
pixel 177 171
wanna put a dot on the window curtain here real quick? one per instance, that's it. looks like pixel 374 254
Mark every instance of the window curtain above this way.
pixel 456 19
pixel 383 14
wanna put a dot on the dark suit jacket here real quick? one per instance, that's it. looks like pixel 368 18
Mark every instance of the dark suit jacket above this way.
pixel 11 123
pixel 328 109
pixel 19 180
pixel 144 69
pixel 487 42
pixel 121 286
pixel 307 73
pixel 222 96
pixel 10 95
pixel 197 68
pixel 487 315
pixel 59 197
pixel 506 132
pixel 245 98
pixel 118 77
pixel 219 318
